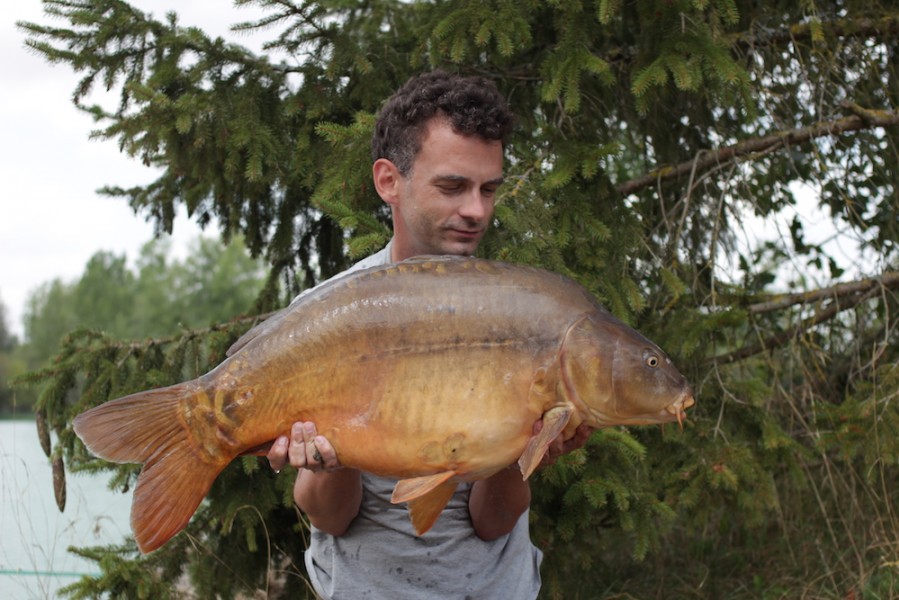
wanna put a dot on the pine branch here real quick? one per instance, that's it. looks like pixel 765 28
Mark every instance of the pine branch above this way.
pixel 622 58
pixel 860 119
pixel 888 280
pixel 883 27
pixel 138 346
pixel 198 333
pixel 845 296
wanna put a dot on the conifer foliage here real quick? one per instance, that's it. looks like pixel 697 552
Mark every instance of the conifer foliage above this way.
pixel 677 157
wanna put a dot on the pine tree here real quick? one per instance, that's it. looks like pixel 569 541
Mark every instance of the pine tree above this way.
pixel 655 138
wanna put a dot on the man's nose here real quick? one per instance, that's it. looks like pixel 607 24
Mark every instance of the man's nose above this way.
pixel 476 206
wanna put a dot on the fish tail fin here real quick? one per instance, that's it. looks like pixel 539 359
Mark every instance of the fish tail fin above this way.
pixel 167 494
pixel 148 428
pixel 130 429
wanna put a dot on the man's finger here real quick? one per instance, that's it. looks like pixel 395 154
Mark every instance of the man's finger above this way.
pixel 312 455
pixel 277 454
pixel 326 452
pixel 297 450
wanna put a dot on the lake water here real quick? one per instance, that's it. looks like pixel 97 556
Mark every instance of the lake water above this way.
pixel 34 535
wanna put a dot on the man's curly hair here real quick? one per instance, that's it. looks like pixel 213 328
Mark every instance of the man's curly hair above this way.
pixel 472 105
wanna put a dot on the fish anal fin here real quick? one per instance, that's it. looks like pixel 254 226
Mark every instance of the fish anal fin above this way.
pixel 407 490
pixel 554 421
pixel 426 509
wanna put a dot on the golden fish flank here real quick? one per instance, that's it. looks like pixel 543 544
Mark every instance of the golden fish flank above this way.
pixel 432 371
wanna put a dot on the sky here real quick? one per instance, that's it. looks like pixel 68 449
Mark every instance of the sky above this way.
pixel 51 218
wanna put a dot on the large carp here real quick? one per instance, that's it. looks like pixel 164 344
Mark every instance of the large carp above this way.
pixel 431 371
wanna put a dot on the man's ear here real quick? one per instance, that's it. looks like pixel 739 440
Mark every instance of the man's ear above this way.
pixel 387 180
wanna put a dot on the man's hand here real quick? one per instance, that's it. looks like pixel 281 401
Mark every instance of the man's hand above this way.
pixel 303 449
pixel 559 446
pixel 329 494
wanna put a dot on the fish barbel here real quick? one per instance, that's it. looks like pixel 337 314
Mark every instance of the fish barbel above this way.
pixel 431 371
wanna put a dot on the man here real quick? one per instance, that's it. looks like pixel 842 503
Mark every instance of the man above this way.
pixel 438 162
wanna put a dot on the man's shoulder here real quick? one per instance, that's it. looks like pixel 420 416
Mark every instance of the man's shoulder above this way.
pixel 378 259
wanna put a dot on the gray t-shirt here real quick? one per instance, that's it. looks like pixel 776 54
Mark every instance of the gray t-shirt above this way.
pixel 381 558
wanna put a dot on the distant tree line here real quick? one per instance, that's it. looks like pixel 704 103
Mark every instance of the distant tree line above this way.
pixel 154 297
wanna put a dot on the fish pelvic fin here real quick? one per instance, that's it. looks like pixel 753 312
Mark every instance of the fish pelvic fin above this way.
pixel 407 490
pixel 427 496
pixel 554 421
pixel 146 428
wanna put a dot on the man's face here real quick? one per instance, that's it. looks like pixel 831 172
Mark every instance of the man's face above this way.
pixel 445 204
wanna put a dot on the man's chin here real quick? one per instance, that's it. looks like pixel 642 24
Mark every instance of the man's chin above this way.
pixel 461 247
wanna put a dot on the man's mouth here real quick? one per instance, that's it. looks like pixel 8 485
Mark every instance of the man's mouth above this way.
pixel 467 233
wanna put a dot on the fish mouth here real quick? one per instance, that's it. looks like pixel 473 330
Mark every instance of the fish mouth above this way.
pixel 679 407
pixel 677 410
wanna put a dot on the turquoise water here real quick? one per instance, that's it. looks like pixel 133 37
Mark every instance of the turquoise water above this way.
pixel 34 535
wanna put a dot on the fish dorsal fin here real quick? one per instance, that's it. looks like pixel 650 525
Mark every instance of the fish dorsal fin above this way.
pixel 407 490
pixel 426 509
pixel 554 421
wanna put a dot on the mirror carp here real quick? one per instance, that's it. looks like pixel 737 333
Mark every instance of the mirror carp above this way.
pixel 432 371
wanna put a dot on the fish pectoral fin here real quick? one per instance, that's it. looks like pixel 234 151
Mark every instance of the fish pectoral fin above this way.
pixel 426 509
pixel 554 421
pixel 407 490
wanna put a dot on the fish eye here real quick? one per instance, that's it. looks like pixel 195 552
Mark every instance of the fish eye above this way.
pixel 652 361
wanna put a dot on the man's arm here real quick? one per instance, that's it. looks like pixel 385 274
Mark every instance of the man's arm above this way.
pixel 331 499
pixel 496 503
pixel 329 495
